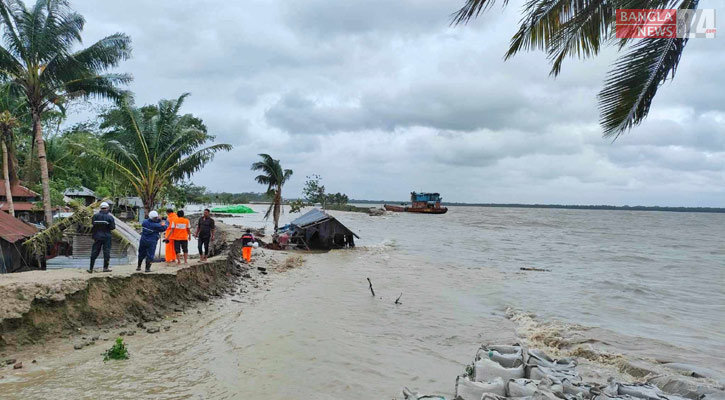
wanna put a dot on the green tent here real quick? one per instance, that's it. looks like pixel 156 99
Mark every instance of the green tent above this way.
pixel 236 209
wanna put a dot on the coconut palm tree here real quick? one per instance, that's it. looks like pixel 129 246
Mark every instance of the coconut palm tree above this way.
pixel 8 122
pixel 38 60
pixel 581 28
pixel 274 177
pixel 154 146
pixel 10 106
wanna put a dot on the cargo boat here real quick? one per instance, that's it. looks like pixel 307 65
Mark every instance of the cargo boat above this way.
pixel 424 203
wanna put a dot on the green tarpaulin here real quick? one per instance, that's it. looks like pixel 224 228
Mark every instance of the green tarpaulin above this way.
pixel 237 209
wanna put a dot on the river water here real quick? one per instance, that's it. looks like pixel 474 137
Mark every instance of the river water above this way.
pixel 650 284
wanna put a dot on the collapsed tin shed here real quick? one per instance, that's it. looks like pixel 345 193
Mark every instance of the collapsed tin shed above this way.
pixel 319 230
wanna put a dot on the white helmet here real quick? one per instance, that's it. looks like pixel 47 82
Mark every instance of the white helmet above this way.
pixel 104 205
pixel 153 214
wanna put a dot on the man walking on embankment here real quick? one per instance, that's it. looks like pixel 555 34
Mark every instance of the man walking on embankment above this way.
pixel 205 234
pixel 103 224
pixel 151 228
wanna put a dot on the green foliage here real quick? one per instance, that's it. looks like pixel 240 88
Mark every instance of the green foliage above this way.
pixel 154 146
pixel 119 351
pixel 41 61
pixel 185 193
pixel 338 199
pixel 296 206
pixel 314 190
pixel 581 28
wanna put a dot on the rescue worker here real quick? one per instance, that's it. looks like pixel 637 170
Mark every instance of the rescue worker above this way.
pixel 205 233
pixel 180 234
pixel 151 228
pixel 103 224
pixel 169 252
pixel 247 243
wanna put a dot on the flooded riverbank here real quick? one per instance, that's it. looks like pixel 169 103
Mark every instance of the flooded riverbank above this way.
pixel 318 333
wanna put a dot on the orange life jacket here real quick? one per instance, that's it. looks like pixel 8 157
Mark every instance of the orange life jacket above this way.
pixel 181 229
pixel 169 220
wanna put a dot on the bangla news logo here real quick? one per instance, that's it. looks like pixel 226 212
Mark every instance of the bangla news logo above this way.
pixel 665 23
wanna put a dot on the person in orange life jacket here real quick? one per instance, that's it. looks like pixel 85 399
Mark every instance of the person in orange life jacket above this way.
pixel 180 234
pixel 247 243
pixel 169 251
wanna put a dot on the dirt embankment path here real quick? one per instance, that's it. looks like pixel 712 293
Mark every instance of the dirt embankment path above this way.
pixel 38 306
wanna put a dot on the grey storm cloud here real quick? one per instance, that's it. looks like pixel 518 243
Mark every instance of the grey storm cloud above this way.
pixel 383 97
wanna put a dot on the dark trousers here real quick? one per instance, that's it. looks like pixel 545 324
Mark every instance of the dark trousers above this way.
pixel 181 245
pixel 146 249
pixel 204 240
pixel 99 244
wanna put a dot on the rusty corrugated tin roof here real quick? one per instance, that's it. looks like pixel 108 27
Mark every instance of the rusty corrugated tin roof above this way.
pixel 13 229
pixel 18 205
pixel 17 190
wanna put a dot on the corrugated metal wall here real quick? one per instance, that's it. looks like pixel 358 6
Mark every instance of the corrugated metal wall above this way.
pixel 83 244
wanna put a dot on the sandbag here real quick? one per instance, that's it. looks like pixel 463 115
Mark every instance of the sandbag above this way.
pixel 507 356
pixel 538 357
pixel 544 395
pixel 642 391
pixel 491 396
pixel 577 388
pixel 538 372
pixel 678 385
pixel 410 395
pixel 467 389
pixel 521 387
pixel 485 370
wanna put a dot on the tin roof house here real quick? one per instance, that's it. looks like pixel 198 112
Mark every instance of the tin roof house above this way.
pixel 23 202
pixel 318 230
pixel 13 257
pixel 83 195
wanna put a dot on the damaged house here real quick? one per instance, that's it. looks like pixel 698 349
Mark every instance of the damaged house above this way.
pixel 318 230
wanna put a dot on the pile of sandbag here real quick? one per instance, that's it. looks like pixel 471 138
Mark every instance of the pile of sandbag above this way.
pixel 512 371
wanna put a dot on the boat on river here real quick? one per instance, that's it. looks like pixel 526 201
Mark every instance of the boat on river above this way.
pixel 423 203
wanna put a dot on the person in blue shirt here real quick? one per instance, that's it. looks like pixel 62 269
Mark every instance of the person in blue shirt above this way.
pixel 151 228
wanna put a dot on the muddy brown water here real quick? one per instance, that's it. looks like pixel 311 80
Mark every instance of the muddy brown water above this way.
pixel 649 282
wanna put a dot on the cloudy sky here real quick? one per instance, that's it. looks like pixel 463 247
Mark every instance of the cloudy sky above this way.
pixel 382 97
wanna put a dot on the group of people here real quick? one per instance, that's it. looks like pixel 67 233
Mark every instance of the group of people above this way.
pixel 175 227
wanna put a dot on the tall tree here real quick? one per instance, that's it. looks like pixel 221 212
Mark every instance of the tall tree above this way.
pixel 154 146
pixel 274 177
pixel 39 61
pixel 10 106
pixel 566 28
pixel 8 122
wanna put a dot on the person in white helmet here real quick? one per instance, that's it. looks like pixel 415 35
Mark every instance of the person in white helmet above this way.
pixel 103 224
pixel 151 228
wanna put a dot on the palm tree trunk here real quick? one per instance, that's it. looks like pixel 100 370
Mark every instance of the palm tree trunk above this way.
pixel 6 176
pixel 277 205
pixel 43 161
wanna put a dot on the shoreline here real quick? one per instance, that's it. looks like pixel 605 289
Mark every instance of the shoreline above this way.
pixel 68 309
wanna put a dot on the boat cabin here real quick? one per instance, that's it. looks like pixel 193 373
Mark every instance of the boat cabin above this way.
pixel 425 200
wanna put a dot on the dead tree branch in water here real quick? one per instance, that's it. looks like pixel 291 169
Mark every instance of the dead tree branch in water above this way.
pixel 371 287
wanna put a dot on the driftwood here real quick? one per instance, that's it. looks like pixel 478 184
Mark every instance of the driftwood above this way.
pixel 371 287
pixel 535 269
pixel 397 301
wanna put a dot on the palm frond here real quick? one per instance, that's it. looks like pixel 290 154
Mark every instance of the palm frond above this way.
pixel 471 10
pixel 633 82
